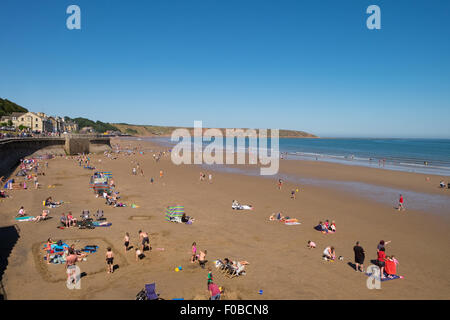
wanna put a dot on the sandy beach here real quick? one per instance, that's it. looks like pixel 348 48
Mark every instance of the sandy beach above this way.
pixel 280 264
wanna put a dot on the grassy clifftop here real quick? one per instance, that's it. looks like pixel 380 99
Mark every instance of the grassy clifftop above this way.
pixel 7 107
pixel 147 130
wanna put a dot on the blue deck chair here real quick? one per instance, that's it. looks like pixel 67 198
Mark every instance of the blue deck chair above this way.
pixel 150 291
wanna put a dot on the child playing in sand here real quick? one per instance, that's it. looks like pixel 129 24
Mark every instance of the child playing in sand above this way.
pixel 139 254
pixel 109 260
pixel 400 204
pixel 126 241
pixel 311 245
pixel 210 277
pixel 21 212
pixel 194 252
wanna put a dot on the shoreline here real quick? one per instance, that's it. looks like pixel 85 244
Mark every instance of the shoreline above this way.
pixel 390 165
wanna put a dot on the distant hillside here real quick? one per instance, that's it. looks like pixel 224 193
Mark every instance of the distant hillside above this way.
pixel 98 126
pixel 147 130
pixel 7 107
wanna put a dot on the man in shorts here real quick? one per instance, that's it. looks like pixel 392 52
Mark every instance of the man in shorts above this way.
pixel 359 257
pixel 143 236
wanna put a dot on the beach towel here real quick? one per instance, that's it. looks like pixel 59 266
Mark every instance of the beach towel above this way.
pixel 394 277
pixel 27 218
pixel 102 224
pixel 293 223
pixel 242 207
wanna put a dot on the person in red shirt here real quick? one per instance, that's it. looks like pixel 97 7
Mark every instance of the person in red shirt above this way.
pixel 400 203
pixel 382 261
pixel 214 291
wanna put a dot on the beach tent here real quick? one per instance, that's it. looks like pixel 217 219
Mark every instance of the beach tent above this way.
pixel 174 213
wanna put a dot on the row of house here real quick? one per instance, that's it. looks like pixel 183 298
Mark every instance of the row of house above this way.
pixel 40 122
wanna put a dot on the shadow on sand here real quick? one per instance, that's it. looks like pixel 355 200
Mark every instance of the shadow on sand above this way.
pixel 8 239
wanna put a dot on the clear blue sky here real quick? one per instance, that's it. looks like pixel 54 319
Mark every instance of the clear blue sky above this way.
pixel 289 64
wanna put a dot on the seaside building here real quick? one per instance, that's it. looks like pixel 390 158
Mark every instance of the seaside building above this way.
pixel 36 122
pixel 40 122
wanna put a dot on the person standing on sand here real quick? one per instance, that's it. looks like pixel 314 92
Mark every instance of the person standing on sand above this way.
pixel 126 241
pixel 109 261
pixel 194 252
pixel 210 277
pixel 382 261
pixel 400 204
pixel 161 173
pixel 210 178
pixel 280 183
pixel 214 291
pixel 382 244
pixel 71 260
pixel 293 194
pixel 359 257
pixel 202 259
pixel 143 236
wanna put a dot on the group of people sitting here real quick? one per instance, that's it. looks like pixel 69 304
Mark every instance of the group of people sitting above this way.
pixel 326 227
pixel 3 194
pixel 68 220
pixel 233 268
pixel 112 200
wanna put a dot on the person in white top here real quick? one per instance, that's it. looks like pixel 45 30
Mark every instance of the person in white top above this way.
pixel 21 212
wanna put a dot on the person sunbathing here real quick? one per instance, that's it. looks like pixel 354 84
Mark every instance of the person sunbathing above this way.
pixel 50 203
pixel 278 216
pixel 43 216
pixel 186 218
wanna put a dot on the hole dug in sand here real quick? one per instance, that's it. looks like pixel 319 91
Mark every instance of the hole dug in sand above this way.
pixel 94 264
pixel 140 217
